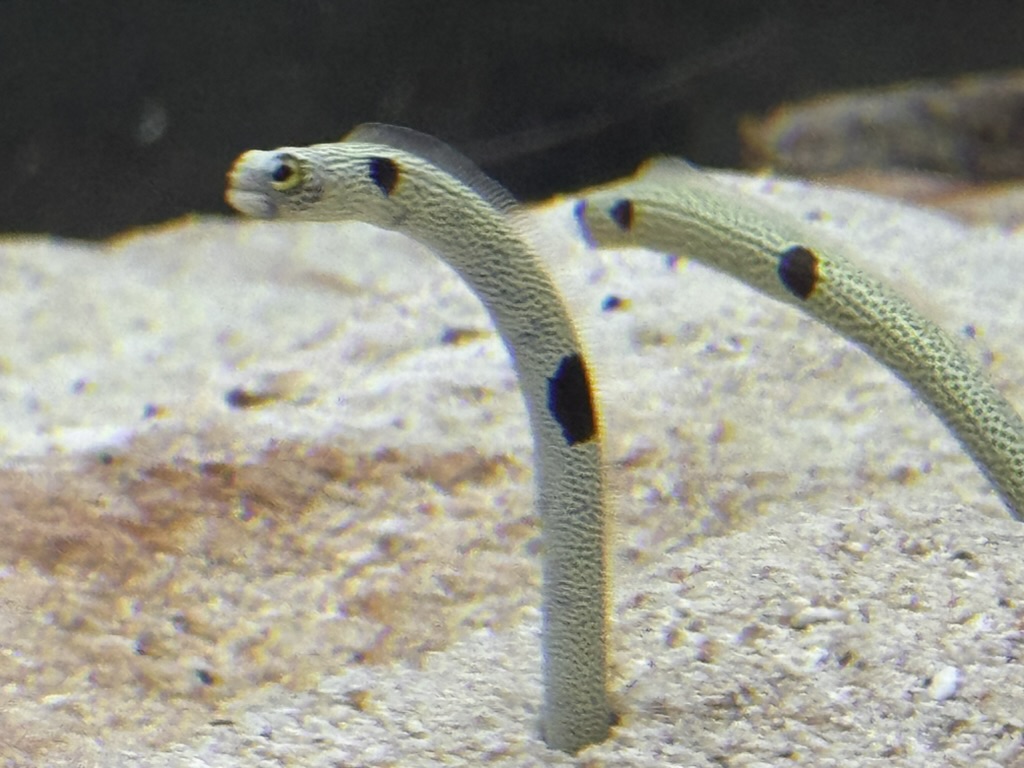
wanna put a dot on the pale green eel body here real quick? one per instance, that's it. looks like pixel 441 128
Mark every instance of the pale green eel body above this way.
pixel 400 180
pixel 673 207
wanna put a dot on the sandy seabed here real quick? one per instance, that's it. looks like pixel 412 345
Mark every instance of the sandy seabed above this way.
pixel 266 501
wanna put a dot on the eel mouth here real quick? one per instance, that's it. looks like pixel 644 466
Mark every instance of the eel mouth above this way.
pixel 247 187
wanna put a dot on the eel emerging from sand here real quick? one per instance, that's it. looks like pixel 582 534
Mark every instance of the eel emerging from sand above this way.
pixel 401 180
pixel 673 207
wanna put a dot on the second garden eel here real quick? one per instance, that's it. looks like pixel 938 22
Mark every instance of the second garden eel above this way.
pixel 673 207
pixel 401 180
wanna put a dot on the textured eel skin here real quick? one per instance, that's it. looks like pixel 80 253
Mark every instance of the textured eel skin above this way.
pixel 401 180
pixel 673 207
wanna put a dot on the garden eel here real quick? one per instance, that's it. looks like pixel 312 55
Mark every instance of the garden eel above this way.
pixel 401 180
pixel 671 206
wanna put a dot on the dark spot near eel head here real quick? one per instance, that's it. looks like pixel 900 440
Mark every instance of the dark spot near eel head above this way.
pixel 622 214
pixel 384 172
pixel 571 401
pixel 579 212
pixel 798 271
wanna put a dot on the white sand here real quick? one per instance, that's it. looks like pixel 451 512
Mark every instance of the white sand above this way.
pixel 808 571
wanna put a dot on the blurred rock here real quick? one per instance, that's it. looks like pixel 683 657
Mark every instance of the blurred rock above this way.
pixel 118 113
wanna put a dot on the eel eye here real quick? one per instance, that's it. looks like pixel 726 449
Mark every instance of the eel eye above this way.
pixel 285 174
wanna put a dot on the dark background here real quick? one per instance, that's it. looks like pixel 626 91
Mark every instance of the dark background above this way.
pixel 117 113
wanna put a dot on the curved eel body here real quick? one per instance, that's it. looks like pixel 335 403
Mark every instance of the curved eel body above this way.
pixel 400 180
pixel 673 207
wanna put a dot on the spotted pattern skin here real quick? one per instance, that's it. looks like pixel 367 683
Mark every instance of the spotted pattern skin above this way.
pixel 676 208
pixel 401 180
